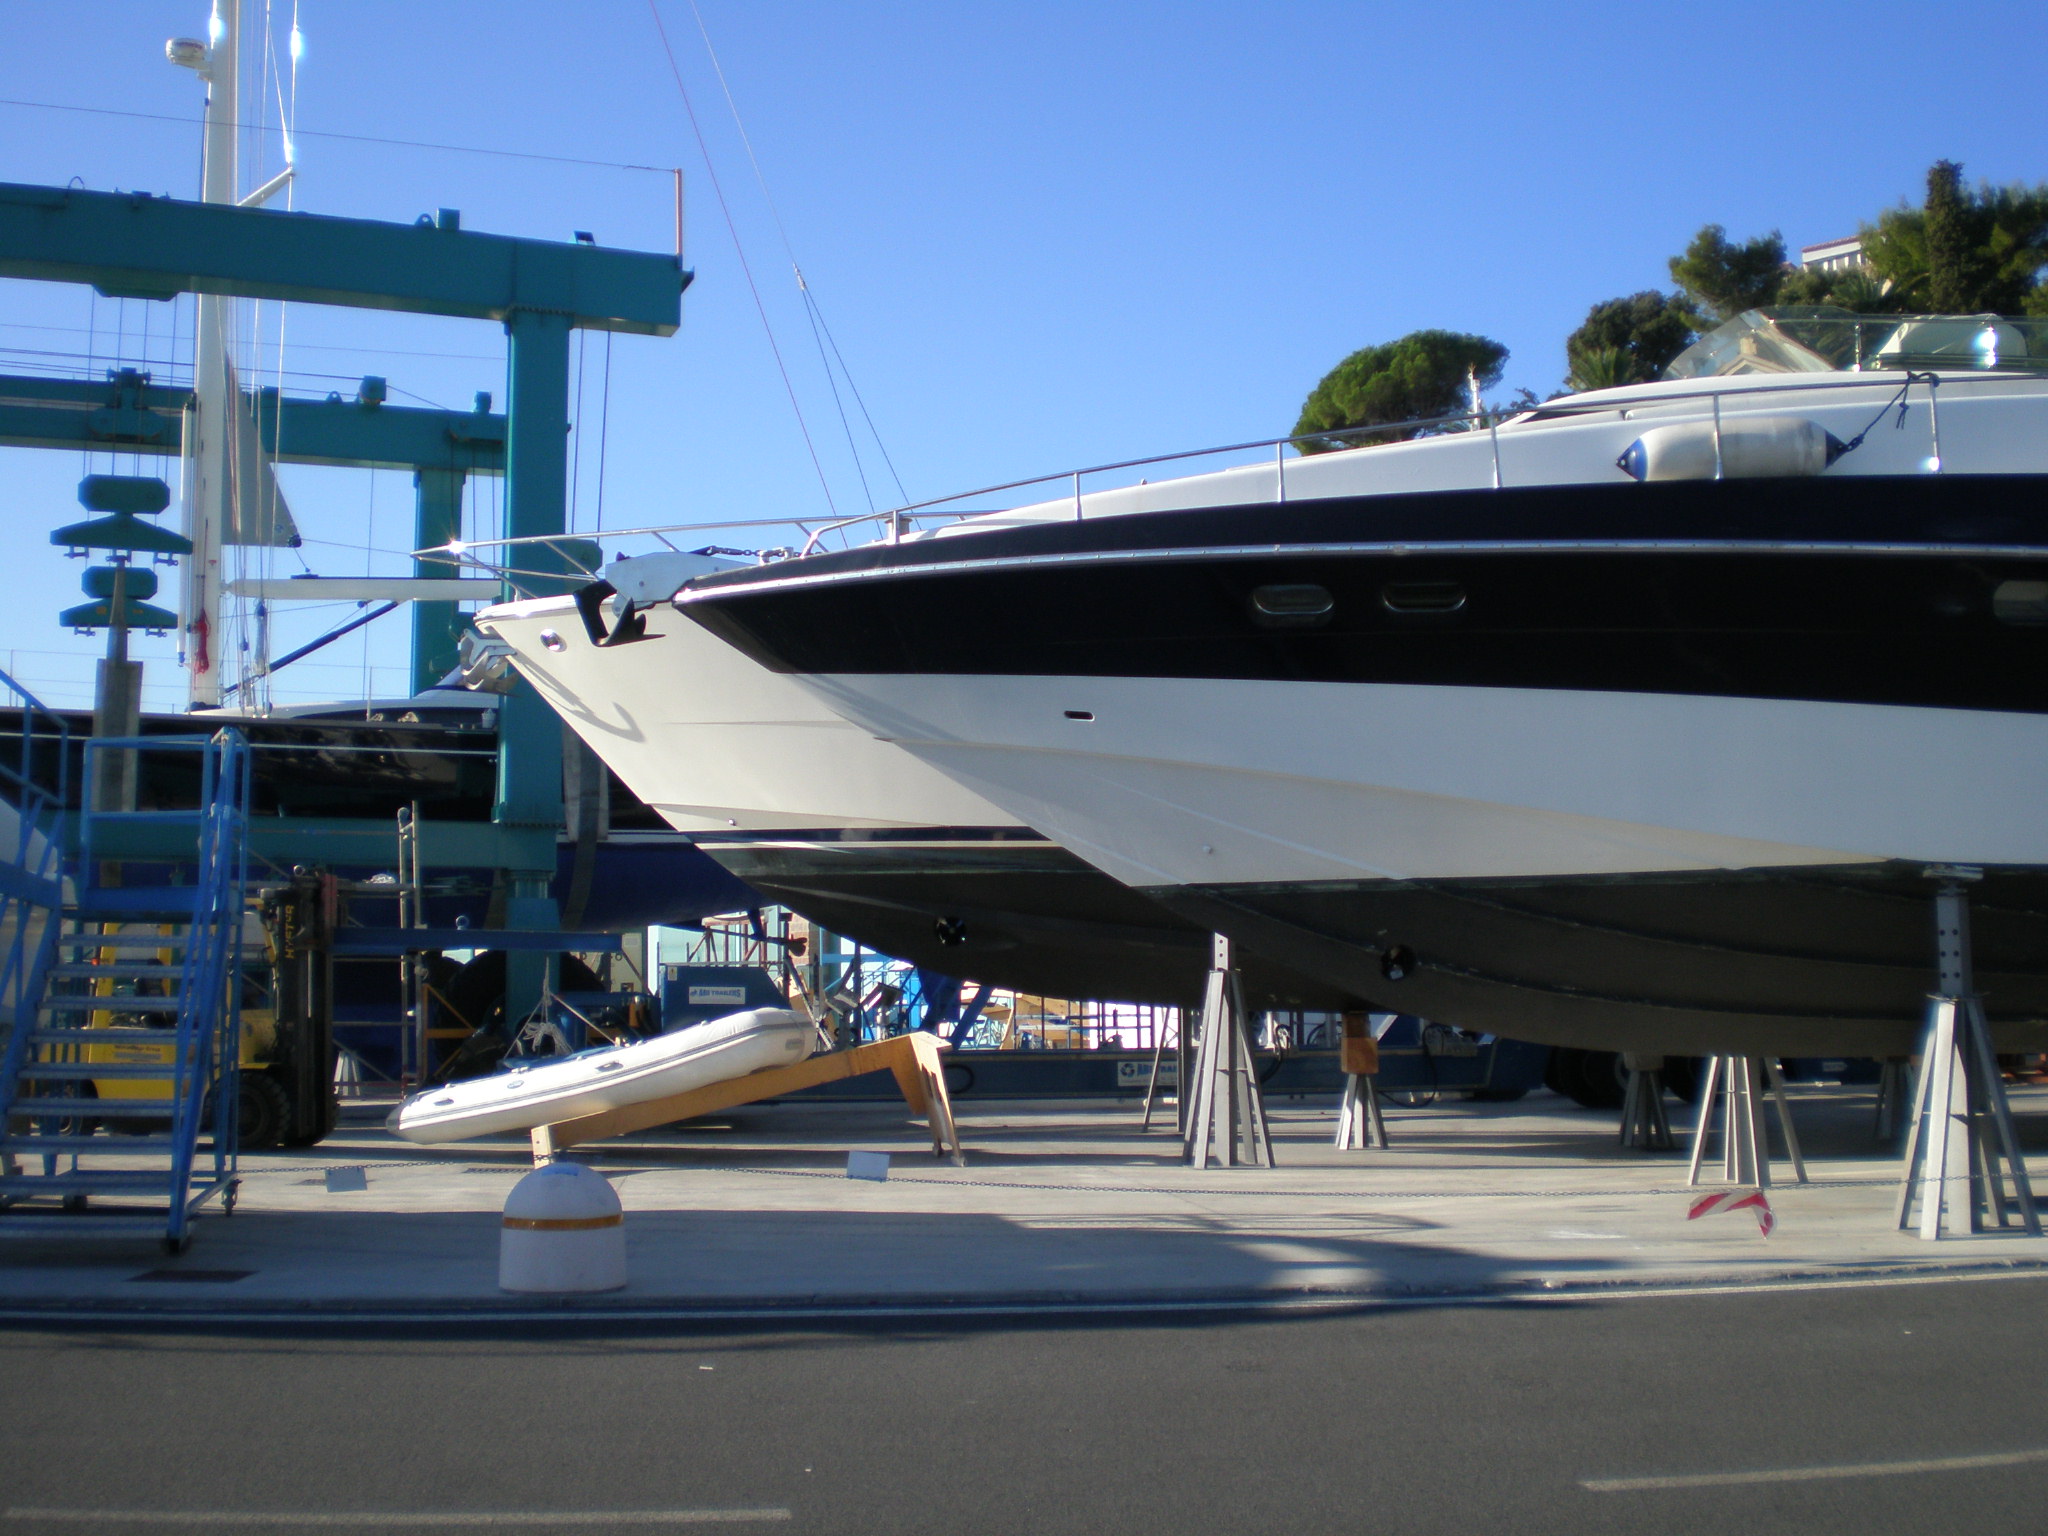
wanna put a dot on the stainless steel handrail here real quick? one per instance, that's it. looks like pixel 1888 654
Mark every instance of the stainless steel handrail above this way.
pixel 1617 402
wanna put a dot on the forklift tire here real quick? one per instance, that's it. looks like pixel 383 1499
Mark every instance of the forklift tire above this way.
pixel 1594 1080
pixel 330 1116
pixel 264 1111
pixel 1683 1075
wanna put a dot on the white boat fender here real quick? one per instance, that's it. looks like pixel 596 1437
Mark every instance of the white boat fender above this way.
pixel 564 1230
pixel 1752 448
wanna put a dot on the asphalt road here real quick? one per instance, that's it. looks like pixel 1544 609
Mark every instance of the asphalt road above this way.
pixel 1911 1408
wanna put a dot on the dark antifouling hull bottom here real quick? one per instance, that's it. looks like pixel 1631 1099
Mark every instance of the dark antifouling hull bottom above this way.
pixel 1836 961
pixel 1025 915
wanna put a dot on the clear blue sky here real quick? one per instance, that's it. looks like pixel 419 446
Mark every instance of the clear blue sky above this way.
pixel 1044 234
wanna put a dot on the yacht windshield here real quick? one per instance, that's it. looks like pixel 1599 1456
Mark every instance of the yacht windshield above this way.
pixel 1828 340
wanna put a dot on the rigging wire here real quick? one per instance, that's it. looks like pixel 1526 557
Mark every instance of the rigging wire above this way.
pixel 576 444
pixel 303 346
pixel 813 311
pixel 854 389
pixel 690 111
pixel 173 363
pixel 353 138
pixel 369 568
pixel 811 314
pixel 604 427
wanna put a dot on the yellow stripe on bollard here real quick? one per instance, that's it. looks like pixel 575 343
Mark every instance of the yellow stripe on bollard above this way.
pixel 563 1223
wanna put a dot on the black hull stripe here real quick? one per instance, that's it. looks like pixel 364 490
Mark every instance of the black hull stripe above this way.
pixel 1842 590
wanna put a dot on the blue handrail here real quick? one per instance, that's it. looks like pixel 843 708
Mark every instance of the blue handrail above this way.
pixel 209 977
pixel 31 880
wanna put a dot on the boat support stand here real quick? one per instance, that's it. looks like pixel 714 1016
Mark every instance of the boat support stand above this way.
pixel 1742 1081
pixel 1227 1116
pixel 1960 1148
pixel 1359 1121
pixel 1644 1125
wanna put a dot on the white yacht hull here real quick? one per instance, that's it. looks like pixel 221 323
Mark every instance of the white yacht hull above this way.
pixel 851 831
pixel 1205 781
pixel 1651 766
pixel 714 741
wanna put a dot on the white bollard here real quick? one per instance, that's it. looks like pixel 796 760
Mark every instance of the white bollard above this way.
pixel 563 1231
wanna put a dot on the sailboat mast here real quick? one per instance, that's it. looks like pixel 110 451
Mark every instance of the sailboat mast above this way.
pixel 210 421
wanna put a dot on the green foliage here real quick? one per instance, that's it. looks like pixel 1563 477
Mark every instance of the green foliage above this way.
pixel 1724 279
pixel 1965 251
pixel 1628 341
pixel 1947 222
pixel 1423 375
pixel 1850 288
pixel 1601 368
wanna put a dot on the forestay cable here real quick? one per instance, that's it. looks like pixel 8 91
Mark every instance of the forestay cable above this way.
pixel 813 311
pixel 690 110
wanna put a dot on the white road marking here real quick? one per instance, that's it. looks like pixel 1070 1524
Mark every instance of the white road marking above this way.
pixel 397 1519
pixel 1813 1474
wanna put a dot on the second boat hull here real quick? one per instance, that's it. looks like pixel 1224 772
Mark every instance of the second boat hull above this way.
pixel 1004 907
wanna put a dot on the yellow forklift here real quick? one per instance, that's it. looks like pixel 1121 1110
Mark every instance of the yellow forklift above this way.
pixel 286 1060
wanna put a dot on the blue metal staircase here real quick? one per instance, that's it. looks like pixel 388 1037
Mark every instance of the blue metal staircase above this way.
pixel 122 1046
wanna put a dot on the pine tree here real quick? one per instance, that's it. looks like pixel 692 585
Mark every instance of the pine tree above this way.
pixel 1949 240
pixel 1424 374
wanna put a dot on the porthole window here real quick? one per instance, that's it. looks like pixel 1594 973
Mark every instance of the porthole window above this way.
pixel 1294 605
pixel 2021 602
pixel 1422 597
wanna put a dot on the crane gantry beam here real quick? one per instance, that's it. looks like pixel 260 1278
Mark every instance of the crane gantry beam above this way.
pixel 135 245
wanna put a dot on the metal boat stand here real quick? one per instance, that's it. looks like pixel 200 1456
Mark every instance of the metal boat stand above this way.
pixel 1152 1082
pixel 1741 1082
pixel 1644 1125
pixel 1226 1116
pixel 1359 1121
pixel 1894 1091
pixel 1961 1128
pixel 1183 1073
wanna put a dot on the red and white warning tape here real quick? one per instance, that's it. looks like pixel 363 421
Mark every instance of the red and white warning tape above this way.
pixel 1735 1200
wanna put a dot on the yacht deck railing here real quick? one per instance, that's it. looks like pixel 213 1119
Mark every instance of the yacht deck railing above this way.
pixel 578 555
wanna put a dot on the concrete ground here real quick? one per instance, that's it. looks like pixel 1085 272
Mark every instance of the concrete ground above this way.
pixel 1060 1204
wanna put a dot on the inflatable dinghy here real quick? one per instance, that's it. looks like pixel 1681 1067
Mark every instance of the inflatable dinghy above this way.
pixel 607 1077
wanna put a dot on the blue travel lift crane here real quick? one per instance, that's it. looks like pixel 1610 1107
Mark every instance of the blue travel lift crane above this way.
pixel 134 245
pixel 128 413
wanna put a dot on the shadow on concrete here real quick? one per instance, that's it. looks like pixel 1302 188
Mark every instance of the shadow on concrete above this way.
pixel 319 1273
